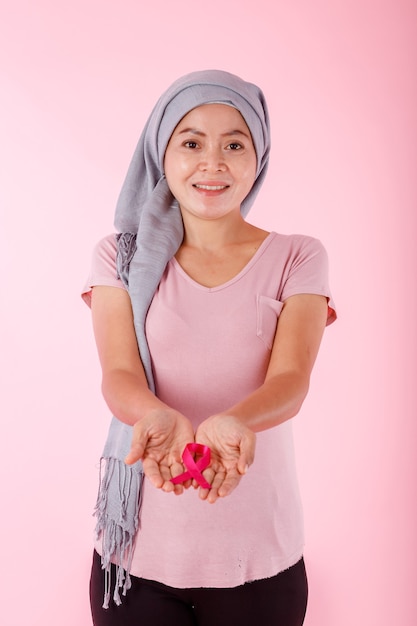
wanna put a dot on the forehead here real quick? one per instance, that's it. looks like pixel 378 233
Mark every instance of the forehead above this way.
pixel 213 114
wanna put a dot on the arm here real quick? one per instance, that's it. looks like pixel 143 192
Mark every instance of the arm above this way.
pixel 159 432
pixel 230 434
pixel 299 332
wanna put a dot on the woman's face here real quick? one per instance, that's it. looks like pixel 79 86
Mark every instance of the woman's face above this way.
pixel 210 161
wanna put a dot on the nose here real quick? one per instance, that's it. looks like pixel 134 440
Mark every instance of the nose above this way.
pixel 212 159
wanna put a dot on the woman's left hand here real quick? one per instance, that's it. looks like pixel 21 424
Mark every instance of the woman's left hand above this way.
pixel 232 446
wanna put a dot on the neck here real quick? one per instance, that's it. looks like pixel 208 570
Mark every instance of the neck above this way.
pixel 214 234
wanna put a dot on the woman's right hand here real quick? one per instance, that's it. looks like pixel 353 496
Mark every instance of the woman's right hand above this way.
pixel 160 433
pixel 158 440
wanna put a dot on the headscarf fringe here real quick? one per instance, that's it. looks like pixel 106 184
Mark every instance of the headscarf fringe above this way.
pixel 113 527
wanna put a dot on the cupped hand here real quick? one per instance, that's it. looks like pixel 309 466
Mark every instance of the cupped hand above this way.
pixel 158 440
pixel 232 446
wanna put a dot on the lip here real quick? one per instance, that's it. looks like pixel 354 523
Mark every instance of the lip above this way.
pixel 210 186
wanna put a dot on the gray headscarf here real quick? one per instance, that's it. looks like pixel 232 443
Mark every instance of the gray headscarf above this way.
pixel 149 221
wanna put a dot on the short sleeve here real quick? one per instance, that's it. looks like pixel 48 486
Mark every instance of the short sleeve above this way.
pixel 103 268
pixel 309 272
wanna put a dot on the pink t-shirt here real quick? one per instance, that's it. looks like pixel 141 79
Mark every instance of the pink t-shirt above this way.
pixel 210 347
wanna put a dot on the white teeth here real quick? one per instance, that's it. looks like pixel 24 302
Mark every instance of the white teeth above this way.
pixel 211 187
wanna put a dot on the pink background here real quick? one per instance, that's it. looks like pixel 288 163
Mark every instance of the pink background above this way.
pixel 78 80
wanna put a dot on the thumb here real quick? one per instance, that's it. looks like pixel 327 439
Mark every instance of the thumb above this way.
pixel 247 452
pixel 137 446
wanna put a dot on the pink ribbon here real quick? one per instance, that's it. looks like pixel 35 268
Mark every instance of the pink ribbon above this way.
pixel 194 468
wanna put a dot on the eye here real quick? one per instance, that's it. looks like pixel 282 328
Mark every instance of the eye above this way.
pixel 235 146
pixel 190 144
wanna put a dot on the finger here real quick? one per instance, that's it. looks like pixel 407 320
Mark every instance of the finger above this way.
pixel 152 471
pixel 230 483
pixel 247 453
pixel 209 474
pixel 242 465
pixel 217 482
pixel 137 446
pixel 168 485
pixel 135 453
pixel 176 469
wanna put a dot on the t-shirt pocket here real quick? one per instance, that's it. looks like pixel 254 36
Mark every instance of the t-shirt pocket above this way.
pixel 267 313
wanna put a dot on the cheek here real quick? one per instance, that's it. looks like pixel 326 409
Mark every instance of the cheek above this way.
pixel 169 161
pixel 175 167
pixel 170 171
pixel 249 176
pixel 175 173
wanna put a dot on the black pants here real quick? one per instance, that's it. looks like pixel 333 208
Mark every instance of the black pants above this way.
pixel 277 601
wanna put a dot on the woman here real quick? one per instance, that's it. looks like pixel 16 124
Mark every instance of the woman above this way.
pixel 207 330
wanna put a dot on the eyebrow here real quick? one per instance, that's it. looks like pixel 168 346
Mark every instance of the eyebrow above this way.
pixel 195 131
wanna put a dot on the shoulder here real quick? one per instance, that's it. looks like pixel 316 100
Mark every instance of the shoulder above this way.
pixel 305 267
pixel 106 248
pixel 296 242
pixel 103 269
pixel 292 250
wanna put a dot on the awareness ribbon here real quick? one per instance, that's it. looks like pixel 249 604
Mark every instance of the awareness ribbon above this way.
pixel 194 468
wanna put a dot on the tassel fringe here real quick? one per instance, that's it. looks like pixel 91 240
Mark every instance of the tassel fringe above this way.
pixel 117 511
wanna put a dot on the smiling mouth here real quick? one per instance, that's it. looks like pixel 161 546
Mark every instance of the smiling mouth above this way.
pixel 211 187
